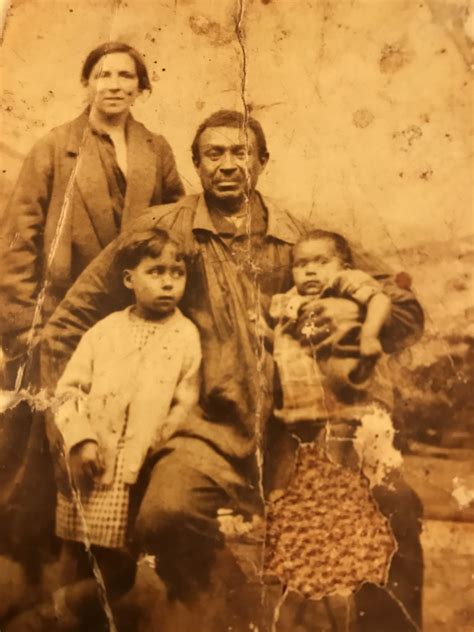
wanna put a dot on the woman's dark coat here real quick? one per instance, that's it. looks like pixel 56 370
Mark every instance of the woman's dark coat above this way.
pixel 60 215
pixel 59 218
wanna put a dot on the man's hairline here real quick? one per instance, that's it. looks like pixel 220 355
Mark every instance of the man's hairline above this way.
pixel 197 162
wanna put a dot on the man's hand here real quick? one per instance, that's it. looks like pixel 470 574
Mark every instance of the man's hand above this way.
pixel 370 346
pixel 86 463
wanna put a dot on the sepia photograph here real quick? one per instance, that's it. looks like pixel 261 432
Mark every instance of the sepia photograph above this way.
pixel 237 316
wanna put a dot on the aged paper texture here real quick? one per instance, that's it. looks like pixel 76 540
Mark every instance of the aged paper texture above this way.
pixel 236 301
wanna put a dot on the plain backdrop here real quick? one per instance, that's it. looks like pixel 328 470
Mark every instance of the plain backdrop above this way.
pixel 366 104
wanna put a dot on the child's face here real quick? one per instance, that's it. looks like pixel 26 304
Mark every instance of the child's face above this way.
pixel 158 283
pixel 315 263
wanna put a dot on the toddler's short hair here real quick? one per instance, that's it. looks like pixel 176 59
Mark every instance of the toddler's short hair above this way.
pixel 135 246
pixel 340 244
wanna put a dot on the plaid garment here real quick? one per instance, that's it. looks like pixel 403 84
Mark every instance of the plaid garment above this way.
pixel 304 395
pixel 304 389
pixel 307 390
pixel 314 385
pixel 99 517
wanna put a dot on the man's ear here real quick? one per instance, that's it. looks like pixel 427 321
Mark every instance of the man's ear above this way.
pixel 127 279
pixel 263 162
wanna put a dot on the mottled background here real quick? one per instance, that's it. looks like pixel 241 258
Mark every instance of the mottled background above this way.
pixel 367 106
pixel 367 103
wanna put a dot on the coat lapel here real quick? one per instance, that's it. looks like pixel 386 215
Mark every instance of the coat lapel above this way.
pixel 92 184
pixel 141 176
pixel 90 179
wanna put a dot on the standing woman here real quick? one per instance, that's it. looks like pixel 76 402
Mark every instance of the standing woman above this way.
pixel 79 186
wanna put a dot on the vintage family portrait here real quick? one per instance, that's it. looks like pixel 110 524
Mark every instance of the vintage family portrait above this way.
pixel 236 283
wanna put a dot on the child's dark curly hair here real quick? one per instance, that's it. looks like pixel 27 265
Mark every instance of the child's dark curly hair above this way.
pixel 134 246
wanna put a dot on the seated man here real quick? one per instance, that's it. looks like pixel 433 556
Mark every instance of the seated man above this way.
pixel 240 245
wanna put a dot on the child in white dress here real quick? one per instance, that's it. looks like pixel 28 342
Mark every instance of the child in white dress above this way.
pixel 131 381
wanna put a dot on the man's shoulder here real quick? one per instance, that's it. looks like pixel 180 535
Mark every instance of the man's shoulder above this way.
pixel 168 213
pixel 283 222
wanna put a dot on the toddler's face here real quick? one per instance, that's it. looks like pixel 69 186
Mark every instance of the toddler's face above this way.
pixel 315 263
pixel 158 283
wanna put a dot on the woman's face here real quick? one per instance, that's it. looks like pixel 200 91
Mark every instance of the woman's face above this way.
pixel 113 84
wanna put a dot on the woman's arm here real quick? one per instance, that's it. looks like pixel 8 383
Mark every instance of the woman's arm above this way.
pixel 20 251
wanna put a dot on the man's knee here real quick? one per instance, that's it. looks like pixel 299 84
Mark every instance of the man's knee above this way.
pixel 163 509
pixel 400 504
pixel 178 499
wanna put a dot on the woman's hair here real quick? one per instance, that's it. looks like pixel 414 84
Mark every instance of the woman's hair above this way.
pixel 117 47
pixel 135 246
pixel 231 118
pixel 341 246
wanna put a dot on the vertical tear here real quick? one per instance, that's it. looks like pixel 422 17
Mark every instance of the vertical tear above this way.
pixel 4 9
pixel 42 401
pixel 278 607
pixel 252 267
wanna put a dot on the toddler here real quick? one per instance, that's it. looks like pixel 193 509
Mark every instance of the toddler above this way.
pixel 331 385
pixel 316 369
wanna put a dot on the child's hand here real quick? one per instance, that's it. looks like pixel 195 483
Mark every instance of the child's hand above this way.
pixel 86 463
pixel 370 346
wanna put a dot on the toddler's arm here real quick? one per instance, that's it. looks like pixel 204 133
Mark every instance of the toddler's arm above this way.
pixel 365 290
pixel 378 312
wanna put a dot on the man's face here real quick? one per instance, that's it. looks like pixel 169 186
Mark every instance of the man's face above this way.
pixel 229 165
pixel 158 283
pixel 315 264
pixel 113 84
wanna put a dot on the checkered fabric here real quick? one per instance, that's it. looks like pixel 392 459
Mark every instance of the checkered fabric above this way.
pixel 142 330
pixel 304 395
pixel 326 536
pixel 99 517
pixel 313 389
